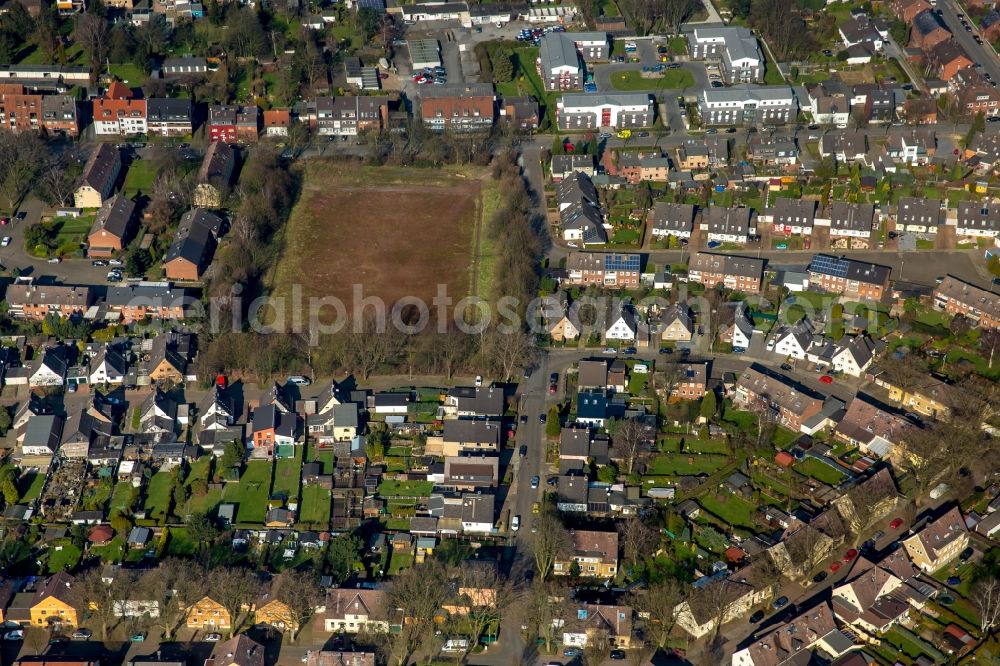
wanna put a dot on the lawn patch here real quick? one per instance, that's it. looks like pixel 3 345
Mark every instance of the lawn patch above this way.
pixel 63 556
pixel 123 497
pixel 682 464
pixel 818 470
pixel 393 488
pixel 674 79
pixel 140 177
pixel 736 511
pixel 315 507
pixel 287 475
pixel 250 494
pixel 179 543
pixel 399 561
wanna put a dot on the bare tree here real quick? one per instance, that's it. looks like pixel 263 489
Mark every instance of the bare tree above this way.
pixel 545 610
pixel 637 538
pixel 805 548
pixel 234 588
pixel 300 592
pixel 100 599
pixel 369 346
pixel 986 595
pixel 550 542
pixel 174 585
pixel 91 32
pixel 628 436
pixel 56 182
pixel 416 595
pixel 718 601
pixel 656 607
pixel 484 595
pixel 596 649
pixel 507 351
pixel 866 501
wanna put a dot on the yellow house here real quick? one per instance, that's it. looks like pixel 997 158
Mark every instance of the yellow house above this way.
pixel 939 542
pixel 563 329
pixel 53 604
pixel 595 553
pixel 273 611
pixel 208 614
pixel 932 398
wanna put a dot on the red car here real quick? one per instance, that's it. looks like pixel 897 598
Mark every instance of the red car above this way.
pixel 896 523
pixel 835 567
pixel 552 389
pixel 826 379
pixel 850 555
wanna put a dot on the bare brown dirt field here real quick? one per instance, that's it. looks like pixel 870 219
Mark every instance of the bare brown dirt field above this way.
pixel 396 232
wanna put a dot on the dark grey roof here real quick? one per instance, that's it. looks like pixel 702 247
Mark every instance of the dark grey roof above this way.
pixel 168 109
pixel 673 216
pixel 195 236
pixel 115 216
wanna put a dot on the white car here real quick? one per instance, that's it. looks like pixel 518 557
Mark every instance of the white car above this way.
pixel 54 260
pixel 15 635
pixel 479 381
pixel 115 262
pixel 299 380
pixel 214 638
pixel 770 344
pixel 5 242
pixel 515 524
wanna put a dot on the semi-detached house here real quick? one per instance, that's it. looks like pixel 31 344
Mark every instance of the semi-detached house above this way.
pixel 100 174
pixel 734 272
pixel 606 269
pixel 458 107
pixel 169 116
pixel 792 216
pixel 979 305
pixel 979 218
pixel 672 219
pixel 727 225
pixel 790 404
pixel 849 277
pixel 918 215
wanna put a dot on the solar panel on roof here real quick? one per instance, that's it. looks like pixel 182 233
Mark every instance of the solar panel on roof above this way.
pixel 619 262
pixel 829 266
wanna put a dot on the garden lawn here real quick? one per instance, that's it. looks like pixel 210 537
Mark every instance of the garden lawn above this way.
pixel 734 510
pixel 63 556
pixel 393 488
pixel 179 543
pixel 675 79
pixel 111 552
pixel 140 177
pixel 158 494
pixel 129 74
pixel 204 503
pixel 122 497
pixel 398 562
pixel 288 473
pixel 251 493
pixel 683 464
pixel 819 471
pixel 315 506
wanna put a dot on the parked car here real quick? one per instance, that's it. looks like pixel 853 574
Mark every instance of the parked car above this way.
pixel 523 451
pixel 757 617
pixel 54 260
pixel 786 367
pixel 666 350
pixel 541 418
pixel 554 377
pixel 535 481
pixel 835 567
pixel 553 388
pixel 515 524
pixel 524 418
pixel 82 635
pixel 896 523
pixel 826 379
pixel 780 602
pixel 851 554
pixel 536 509
pixel 137 638
pixel 213 637
pixel 99 262
pixel 618 655
pixel 572 652
pixel 299 380
pixel 479 381
pixel 609 350
pixel 16 635
pixel 5 242
pixel 820 577
pixel 630 351
pixel 954 580
pixel 115 262
pixel 966 554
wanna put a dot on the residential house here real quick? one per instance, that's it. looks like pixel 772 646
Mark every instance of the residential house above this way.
pixel 248 124
pixel 564 166
pixel 748 105
pixel 277 122
pixel 741 590
pixel 745 274
pixel 691 382
pixel 108 367
pixel 932 397
pixel 53 606
pixel 613 270
pixel 946 59
pixel 341 423
pixel 470 435
pixel 221 124
pixel 119 112
pixel 580 215
pixel 29 300
pixel 829 104
pixel 583 623
pixel 620 323
pixel 193 246
pixel 928 30
pixel 139 302
pixel 169 116
pixel 207 614
pixel 354 610
pixel 575 111
pixel 240 650
pixel 792 216
pixel 272 430
pixel 871 500
pixel 851 220
pixel 728 225
pixel 792 642
pixel 772 150
pixel 918 215
pixel 938 542
pixel 791 404
pixel 559 64
pixel 42 435
pixel 957 297
pixel 61 115
pixel 478 402
pixel 478 513
pixel 459 107
pixel 875 431
pixel 113 227
pixel 914 148
pixel 672 219
pixel 158 414
pixel 351 115
pixel 51 369
pixel 100 174
pixel 849 277
pixel 464 472
pixel 979 219
pixel 853 356
pixel 907 10
pixel 875 595
pixel 521 112
pixel 19 111
pixel 594 553
pixel 214 176
pixel 860 30
pixel 676 324
pixel 846 146
pixel 592 407
pixel 736 49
